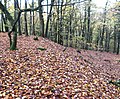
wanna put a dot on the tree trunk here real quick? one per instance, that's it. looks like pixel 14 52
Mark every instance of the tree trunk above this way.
pixel 5 18
pixel 41 18
pixel 25 18
pixel 60 39
pixel 84 24
pixel 107 40
pixel 48 18
pixel 115 40
pixel 19 21
pixel 30 22
pixel 33 19
pixel 118 43
pixel 104 21
pixel 2 21
pixel 88 24
pixel 58 21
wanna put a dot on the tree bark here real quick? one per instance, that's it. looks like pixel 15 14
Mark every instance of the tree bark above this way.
pixel 25 18
pixel 48 18
pixel 118 43
pixel 41 18
pixel 30 23
pixel 60 40
pixel 115 40
pixel 19 21
pixel 33 19
pixel 5 18
pixel 88 22
pixel 103 30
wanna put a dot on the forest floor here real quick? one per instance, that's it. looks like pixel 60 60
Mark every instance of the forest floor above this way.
pixel 30 73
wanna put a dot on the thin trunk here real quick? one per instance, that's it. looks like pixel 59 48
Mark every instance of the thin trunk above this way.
pixel 33 19
pixel 87 34
pixel 15 10
pixel 104 21
pixel 5 22
pixel 84 23
pixel 19 21
pixel 118 43
pixel 107 40
pixel 47 6
pixel 80 30
pixel 48 18
pixel 70 30
pixel 2 22
pixel 55 29
pixel 70 26
pixel 88 24
pixel 41 18
pixel 25 18
pixel 58 21
pixel 67 36
pixel 30 22
pixel 60 40
pixel 115 39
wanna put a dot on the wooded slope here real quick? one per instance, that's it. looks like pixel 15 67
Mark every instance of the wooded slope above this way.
pixel 53 73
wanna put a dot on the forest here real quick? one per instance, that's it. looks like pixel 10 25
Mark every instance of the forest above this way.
pixel 59 49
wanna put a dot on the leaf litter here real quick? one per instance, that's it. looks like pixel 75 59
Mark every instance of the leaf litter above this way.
pixel 29 73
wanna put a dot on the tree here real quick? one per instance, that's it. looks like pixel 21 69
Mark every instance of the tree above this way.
pixel 13 42
pixel 5 18
pixel 41 18
pixel 48 18
pixel 25 18
pixel 117 28
pixel 19 21
pixel 118 43
pixel 104 22
pixel 88 23
pixel 33 19
pixel 115 39
pixel 60 37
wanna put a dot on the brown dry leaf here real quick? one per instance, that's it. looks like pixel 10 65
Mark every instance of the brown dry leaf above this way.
pixel 52 73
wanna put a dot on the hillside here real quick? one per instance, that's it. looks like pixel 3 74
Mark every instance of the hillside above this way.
pixel 29 73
